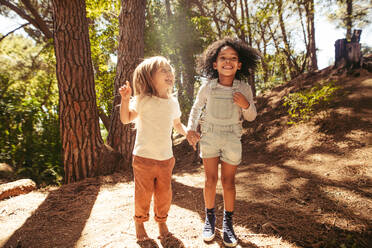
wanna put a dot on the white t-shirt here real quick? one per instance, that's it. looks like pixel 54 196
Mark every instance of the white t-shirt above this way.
pixel 154 125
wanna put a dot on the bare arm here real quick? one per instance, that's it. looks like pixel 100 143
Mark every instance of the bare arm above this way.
pixel 180 128
pixel 126 115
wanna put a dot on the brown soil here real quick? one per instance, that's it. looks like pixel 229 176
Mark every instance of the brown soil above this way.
pixel 308 185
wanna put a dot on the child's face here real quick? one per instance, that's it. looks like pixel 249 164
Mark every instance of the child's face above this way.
pixel 227 62
pixel 163 78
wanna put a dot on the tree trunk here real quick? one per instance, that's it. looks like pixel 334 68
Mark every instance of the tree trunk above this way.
pixel 248 22
pixel 265 68
pixel 312 62
pixel 131 50
pixel 78 114
pixel 167 7
pixel 292 65
pixel 283 64
pixel 251 78
pixel 349 19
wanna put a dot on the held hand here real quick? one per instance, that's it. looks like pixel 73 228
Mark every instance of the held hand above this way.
pixel 193 138
pixel 125 91
pixel 240 100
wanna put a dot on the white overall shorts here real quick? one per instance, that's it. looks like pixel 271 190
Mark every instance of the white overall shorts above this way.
pixel 221 129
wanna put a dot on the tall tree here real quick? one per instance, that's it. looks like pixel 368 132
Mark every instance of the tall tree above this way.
pixel 130 51
pixel 349 18
pixel 78 114
pixel 78 111
pixel 312 63
pixel 292 65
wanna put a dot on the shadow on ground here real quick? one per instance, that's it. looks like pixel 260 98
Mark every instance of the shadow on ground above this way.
pixel 62 216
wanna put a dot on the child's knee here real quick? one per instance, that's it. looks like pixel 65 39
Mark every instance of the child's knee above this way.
pixel 211 181
pixel 228 182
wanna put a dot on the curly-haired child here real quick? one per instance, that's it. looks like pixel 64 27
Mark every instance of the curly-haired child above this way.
pixel 226 99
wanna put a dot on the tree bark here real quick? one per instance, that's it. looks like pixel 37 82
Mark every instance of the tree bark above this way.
pixel 349 19
pixel 80 132
pixel 131 50
pixel 312 62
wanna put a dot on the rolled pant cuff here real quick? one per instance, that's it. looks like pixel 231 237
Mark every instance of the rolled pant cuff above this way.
pixel 141 219
pixel 160 219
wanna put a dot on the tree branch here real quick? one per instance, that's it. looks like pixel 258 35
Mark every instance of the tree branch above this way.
pixel 23 25
pixel 38 24
pixel 104 118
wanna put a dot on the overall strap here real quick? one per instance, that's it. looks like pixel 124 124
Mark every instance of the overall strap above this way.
pixel 235 85
pixel 213 83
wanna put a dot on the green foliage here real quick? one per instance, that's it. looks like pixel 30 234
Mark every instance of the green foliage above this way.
pixel 30 139
pixel 103 34
pixel 362 11
pixel 303 105
pixel 204 26
pixel 156 29
pixel 276 72
pixel 29 126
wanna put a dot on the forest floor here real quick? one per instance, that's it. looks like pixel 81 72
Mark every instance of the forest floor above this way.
pixel 305 185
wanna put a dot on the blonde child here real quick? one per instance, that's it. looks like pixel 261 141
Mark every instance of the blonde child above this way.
pixel 155 111
pixel 225 99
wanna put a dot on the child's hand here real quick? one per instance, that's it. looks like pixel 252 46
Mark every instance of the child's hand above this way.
pixel 240 100
pixel 193 137
pixel 125 91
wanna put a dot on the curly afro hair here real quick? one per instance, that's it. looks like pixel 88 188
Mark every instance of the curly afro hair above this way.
pixel 247 56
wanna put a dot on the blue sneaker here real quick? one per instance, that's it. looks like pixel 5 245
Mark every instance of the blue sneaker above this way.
pixel 229 237
pixel 208 230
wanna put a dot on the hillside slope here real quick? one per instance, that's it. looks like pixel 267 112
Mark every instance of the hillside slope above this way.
pixel 308 185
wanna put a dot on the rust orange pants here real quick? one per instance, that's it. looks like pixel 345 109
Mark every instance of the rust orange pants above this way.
pixel 152 177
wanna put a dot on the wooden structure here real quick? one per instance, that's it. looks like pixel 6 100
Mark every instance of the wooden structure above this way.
pixel 348 53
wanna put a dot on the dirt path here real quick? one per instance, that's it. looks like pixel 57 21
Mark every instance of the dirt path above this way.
pixel 302 186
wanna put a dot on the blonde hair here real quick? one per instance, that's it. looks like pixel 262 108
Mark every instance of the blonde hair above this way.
pixel 143 83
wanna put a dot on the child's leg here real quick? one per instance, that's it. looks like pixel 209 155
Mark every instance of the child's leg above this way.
pixel 140 231
pixel 211 178
pixel 163 229
pixel 228 172
pixel 144 188
pixel 228 184
pixel 163 194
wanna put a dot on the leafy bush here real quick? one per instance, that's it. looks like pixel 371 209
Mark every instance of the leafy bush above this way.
pixel 29 125
pixel 303 105
pixel 29 140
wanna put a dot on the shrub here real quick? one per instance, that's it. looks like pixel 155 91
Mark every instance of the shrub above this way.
pixel 303 105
